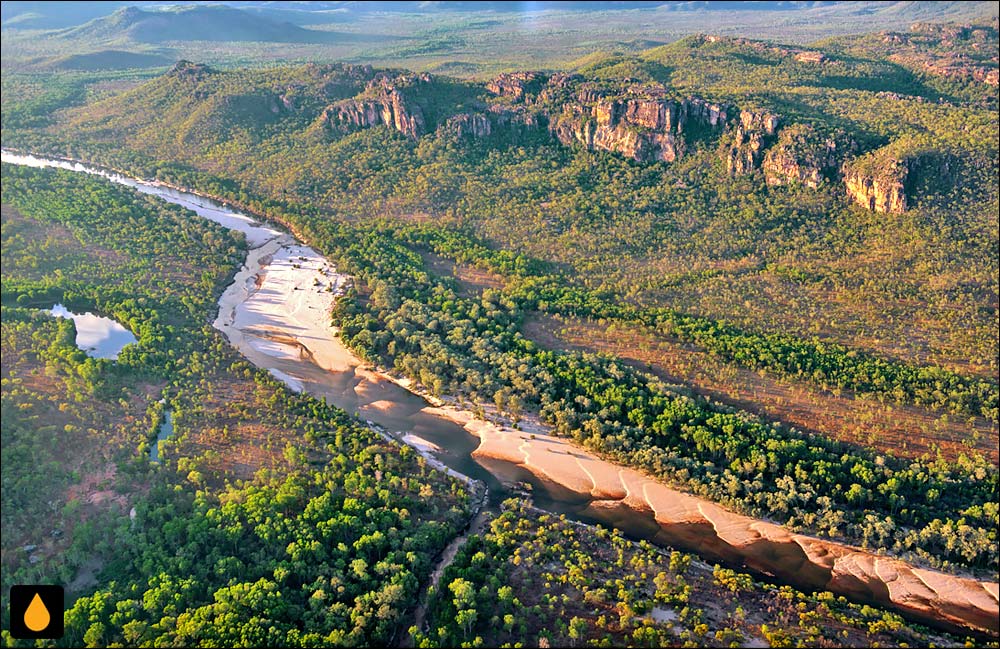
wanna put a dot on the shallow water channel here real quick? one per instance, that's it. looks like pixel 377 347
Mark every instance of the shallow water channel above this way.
pixel 397 410
pixel 166 430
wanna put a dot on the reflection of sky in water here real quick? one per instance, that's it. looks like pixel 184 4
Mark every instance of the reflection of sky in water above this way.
pixel 166 430
pixel 99 337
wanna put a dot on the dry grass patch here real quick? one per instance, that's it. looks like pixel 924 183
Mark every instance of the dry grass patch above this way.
pixel 909 431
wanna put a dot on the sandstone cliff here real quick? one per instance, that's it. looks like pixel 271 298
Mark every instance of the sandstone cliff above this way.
pixel 644 128
pixel 638 121
pixel 753 132
pixel 516 84
pixel 879 186
pixel 803 156
pixel 469 124
pixel 385 101
pixel 885 180
pixel 961 51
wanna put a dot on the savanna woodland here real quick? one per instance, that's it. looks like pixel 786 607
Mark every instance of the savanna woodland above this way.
pixel 733 266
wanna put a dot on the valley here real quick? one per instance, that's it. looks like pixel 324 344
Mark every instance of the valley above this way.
pixel 439 347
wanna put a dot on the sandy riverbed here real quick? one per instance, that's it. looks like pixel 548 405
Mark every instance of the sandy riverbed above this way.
pixel 616 495
pixel 277 313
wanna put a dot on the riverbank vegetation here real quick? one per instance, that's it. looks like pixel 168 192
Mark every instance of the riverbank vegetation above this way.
pixel 538 580
pixel 273 518
pixel 416 323
pixel 264 505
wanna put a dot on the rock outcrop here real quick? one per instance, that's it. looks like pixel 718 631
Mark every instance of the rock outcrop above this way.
pixel 516 84
pixel 475 125
pixel 884 180
pixel 803 156
pixel 640 121
pixel 188 70
pixel 753 132
pixel 384 102
pixel 518 120
pixel 879 186
pixel 645 128
pixel 960 51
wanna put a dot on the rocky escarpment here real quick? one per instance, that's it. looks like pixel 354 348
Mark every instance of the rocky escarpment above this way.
pixel 470 125
pixel 644 128
pixel 883 180
pixel 879 187
pixel 785 154
pixel 753 132
pixel 643 123
pixel 492 119
pixel 959 51
pixel 386 100
pixel 639 121
pixel 801 155
pixel 519 85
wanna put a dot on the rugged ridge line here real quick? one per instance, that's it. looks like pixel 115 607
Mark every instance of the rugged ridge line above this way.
pixel 639 121
pixel 384 101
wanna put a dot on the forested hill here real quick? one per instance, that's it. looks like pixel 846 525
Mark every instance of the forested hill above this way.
pixel 846 114
pixel 706 159
pixel 190 23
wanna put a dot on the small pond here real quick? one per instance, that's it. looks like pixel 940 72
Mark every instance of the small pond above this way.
pixel 98 336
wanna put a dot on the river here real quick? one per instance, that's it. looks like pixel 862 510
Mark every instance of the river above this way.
pixel 276 313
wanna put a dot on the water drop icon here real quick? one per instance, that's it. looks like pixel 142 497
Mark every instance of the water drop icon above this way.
pixel 36 616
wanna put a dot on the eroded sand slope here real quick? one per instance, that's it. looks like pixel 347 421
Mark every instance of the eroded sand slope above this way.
pixel 277 313
pixel 616 495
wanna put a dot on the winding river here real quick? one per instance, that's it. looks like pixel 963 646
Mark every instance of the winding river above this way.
pixel 276 313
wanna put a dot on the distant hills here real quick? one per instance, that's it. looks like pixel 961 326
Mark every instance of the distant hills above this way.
pixel 107 60
pixel 54 15
pixel 58 15
pixel 192 23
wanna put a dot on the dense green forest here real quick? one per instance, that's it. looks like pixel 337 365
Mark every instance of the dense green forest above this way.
pixel 325 535
pixel 422 328
pixel 531 569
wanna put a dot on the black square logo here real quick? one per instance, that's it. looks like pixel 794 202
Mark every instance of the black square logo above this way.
pixel 36 612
